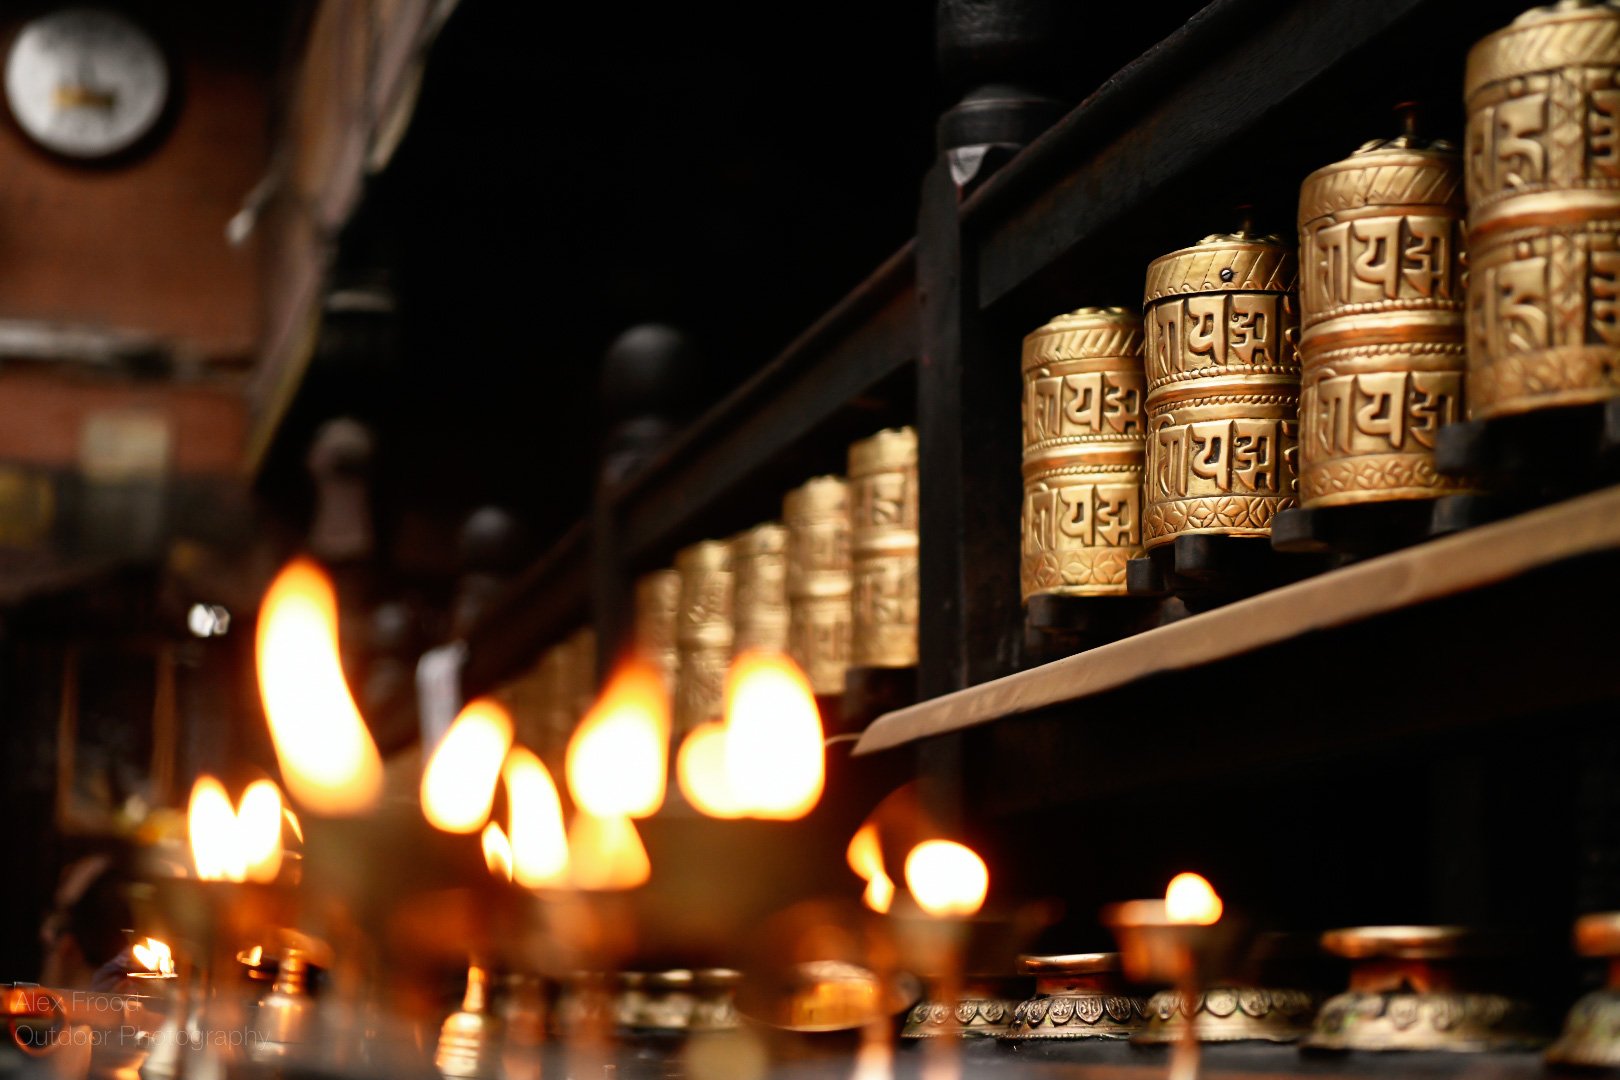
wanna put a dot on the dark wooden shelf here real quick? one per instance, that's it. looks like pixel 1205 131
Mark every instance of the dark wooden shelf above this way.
pixel 546 602
pixel 1487 566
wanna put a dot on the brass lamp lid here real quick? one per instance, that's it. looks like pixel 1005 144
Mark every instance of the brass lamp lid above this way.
pixel 1571 33
pixel 1095 963
pixel 676 979
pixel 1405 942
pixel 1598 935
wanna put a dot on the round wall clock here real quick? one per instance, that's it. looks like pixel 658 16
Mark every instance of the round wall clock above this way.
pixel 86 82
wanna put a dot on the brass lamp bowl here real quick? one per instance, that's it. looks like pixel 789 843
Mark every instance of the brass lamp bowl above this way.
pixel 983 1009
pixel 1152 949
pixel 677 1002
pixel 824 996
pixel 1410 990
pixel 1591 1034
pixel 1077 996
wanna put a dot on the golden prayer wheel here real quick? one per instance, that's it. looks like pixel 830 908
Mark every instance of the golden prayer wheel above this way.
pixel 760 602
pixel 1077 996
pixel 819 580
pixel 883 549
pixel 1083 453
pixel 1410 989
pixel 703 632
pixel 658 597
pixel 556 693
pixel 1543 183
pixel 1381 322
pixel 1223 388
pixel 1592 1030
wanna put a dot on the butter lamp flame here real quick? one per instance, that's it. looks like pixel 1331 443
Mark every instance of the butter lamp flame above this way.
pixel 606 854
pixel 775 757
pixel 497 851
pixel 865 857
pixel 327 756
pixel 235 844
pixel 700 769
pixel 947 879
pixel 154 956
pixel 619 754
pixel 1190 898
pixel 539 846
pixel 458 785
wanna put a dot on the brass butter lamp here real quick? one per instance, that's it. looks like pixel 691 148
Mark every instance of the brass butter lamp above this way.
pixel 1182 940
pixel 1414 988
pixel 1591 1034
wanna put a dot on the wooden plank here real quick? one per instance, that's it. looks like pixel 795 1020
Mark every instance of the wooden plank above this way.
pixel 1468 561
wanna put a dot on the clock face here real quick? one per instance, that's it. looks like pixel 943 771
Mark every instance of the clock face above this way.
pixel 86 82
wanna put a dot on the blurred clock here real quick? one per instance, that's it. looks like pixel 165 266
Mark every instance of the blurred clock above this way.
pixel 86 82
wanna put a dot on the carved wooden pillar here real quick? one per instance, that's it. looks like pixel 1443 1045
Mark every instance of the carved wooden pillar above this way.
pixel 994 53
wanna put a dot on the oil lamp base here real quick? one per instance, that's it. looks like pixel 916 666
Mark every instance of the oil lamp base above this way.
pixel 1591 1036
pixel 1453 1022
pixel 1229 1014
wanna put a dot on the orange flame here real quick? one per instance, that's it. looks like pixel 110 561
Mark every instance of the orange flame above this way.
pixel 258 830
pixel 606 854
pixel 700 768
pixel 619 754
pixel 774 757
pixel 539 847
pixel 865 857
pixel 1190 898
pixel 458 785
pixel 327 756
pixel 497 851
pixel 211 823
pixel 235 844
pixel 947 879
pixel 154 956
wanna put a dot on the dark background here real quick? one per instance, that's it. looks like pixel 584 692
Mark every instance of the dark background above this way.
pixel 730 169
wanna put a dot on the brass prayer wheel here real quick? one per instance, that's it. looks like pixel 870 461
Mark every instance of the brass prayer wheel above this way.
pixel 703 632
pixel 1223 387
pixel 883 549
pixel 558 709
pixel 1410 990
pixel 1077 996
pixel 1083 452
pixel 1591 1034
pixel 1381 322
pixel 658 597
pixel 760 603
pixel 581 646
pixel 1543 184
pixel 819 580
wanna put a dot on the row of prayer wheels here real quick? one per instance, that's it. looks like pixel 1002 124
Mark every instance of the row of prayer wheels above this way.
pixel 1261 375
pixel 833 584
